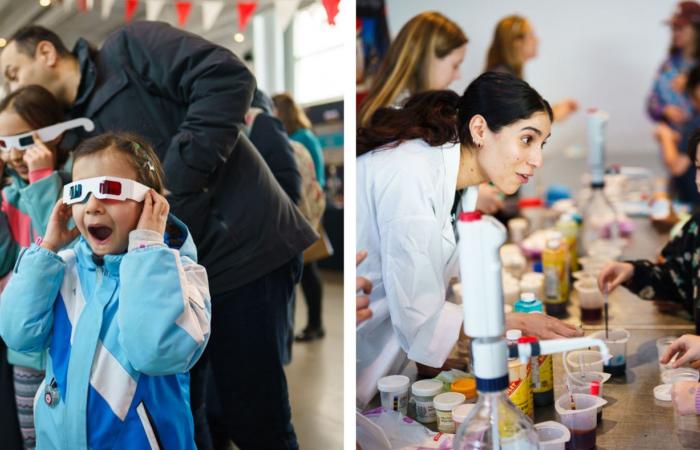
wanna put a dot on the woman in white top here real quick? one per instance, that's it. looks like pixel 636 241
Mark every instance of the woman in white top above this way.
pixel 411 162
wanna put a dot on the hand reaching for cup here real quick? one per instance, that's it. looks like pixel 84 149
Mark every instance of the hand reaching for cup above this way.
pixel 686 349
pixel 614 274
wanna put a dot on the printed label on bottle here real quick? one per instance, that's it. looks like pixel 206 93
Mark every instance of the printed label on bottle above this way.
pixel 551 284
pixel 542 376
pixel 444 421
pixel 519 391
pixel 425 412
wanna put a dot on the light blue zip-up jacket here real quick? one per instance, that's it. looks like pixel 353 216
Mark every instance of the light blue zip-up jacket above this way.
pixel 122 332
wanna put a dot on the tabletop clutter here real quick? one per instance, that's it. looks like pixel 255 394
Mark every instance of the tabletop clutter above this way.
pixel 542 267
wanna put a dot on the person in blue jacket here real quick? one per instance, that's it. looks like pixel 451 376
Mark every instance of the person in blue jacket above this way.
pixel 124 313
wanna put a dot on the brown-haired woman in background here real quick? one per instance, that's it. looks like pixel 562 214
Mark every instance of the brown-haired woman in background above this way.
pixel 298 127
pixel 426 55
pixel 514 43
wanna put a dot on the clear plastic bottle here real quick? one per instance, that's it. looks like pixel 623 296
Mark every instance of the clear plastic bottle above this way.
pixel 495 424
pixel 598 214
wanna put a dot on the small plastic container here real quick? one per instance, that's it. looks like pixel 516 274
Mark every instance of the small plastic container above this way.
pixel 532 209
pixel 424 391
pixel 444 404
pixel 672 376
pixel 467 387
pixel 552 435
pixel 590 299
pixel 393 391
pixel 460 413
pixel 582 421
pixel 661 345
pixel 617 345
pixel 584 360
pixel 511 292
pixel 517 229
pixel 533 283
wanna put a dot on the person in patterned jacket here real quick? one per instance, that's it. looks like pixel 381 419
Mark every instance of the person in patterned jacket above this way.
pixel 677 278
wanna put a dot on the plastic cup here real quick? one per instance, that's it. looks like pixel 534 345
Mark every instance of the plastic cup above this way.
pixel 590 299
pixel 584 361
pixel 617 345
pixel 687 429
pixel 582 421
pixel 581 383
pixel 517 228
pixel 552 435
pixel 661 345
pixel 672 376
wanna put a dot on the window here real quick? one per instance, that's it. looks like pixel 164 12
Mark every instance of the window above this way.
pixel 317 56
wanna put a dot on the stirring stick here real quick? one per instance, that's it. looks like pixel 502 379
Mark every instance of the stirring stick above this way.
pixel 605 312
pixel 571 396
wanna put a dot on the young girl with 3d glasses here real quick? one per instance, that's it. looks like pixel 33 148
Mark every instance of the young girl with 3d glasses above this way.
pixel 124 314
pixel 33 168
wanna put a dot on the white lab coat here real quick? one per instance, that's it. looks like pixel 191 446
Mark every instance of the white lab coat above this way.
pixel 404 198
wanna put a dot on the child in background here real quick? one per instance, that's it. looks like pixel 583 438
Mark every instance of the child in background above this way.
pixel 124 314
pixel 35 185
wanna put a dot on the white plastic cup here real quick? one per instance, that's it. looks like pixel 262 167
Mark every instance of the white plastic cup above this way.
pixel 672 376
pixel 661 345
pixel 517 228
pixel 617 345
pixel 687 429
pixel 393 391
pixel 532 282
pixel 552 435
pixel 584 361
pixel 583 418
pixel 424 391
pixel 589 295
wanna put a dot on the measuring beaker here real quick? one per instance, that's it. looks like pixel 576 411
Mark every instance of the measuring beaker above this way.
pixel 617 345
pixel 584 360
pixel 552 435
pixel 582 421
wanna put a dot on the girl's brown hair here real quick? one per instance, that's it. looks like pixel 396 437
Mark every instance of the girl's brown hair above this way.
pixel 137 150
pixel 39 108
pixel 405 66
pixel 503 51
pixel 291 115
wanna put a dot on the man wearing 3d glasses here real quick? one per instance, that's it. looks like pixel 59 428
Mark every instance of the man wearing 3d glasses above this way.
pixel 187 96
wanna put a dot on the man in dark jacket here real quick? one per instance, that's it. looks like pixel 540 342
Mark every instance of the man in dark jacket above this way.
pixel 188 97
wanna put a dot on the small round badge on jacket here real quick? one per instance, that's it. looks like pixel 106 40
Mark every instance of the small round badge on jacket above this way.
pixel 51 394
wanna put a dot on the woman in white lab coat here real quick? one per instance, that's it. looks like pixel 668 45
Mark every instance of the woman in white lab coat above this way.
pixel 411 162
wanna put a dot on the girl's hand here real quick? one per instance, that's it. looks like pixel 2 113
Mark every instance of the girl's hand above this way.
pixel 155 213
pixel 687 348
pixel 674 114
pixel 39 156
pixel 683 397
pixel 614 274
pixel 57 233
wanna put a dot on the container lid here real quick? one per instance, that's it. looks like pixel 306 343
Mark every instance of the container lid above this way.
pixel 513 335
pixel 530 202
pixel 448 400
pixel 471 216
pixel 427 388
pixel 466 386
pixel 553 243
pixel 527 297
pixel 393 383
pixel 663 392
pixel 459 413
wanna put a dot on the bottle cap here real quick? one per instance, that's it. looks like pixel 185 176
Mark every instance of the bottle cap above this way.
pixel 466 386
pixel 513 335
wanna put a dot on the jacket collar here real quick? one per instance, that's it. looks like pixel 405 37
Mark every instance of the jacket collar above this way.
pixel 88 73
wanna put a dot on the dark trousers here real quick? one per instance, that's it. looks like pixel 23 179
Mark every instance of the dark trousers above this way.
pixel 250 334
pixel 313 293
pixel 9 426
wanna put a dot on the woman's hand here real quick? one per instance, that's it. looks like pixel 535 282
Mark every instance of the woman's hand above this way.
pixel 674 114
pixel 155 213
pixel 614 274
pixel 541 326
pixel 39 156
pixel 58 235
pixel 683 397
pixel 686 348
pixel 363 287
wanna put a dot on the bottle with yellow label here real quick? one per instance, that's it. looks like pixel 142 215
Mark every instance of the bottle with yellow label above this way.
pixel 568 227
pixel 542 369
pixel 553 266
pixel 519 379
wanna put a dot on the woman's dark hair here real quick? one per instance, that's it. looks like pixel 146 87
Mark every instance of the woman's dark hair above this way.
pixel 39 108
pixel 441 117
pixel 137 151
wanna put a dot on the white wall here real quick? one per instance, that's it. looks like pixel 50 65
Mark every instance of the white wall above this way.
pixel 604 53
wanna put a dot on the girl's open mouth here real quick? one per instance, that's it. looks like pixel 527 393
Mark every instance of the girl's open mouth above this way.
pixel 99 232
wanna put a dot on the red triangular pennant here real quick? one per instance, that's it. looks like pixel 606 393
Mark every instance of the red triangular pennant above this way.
pixel 131 6
pixel 245 12
pixel 331 9
pixel 183 12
